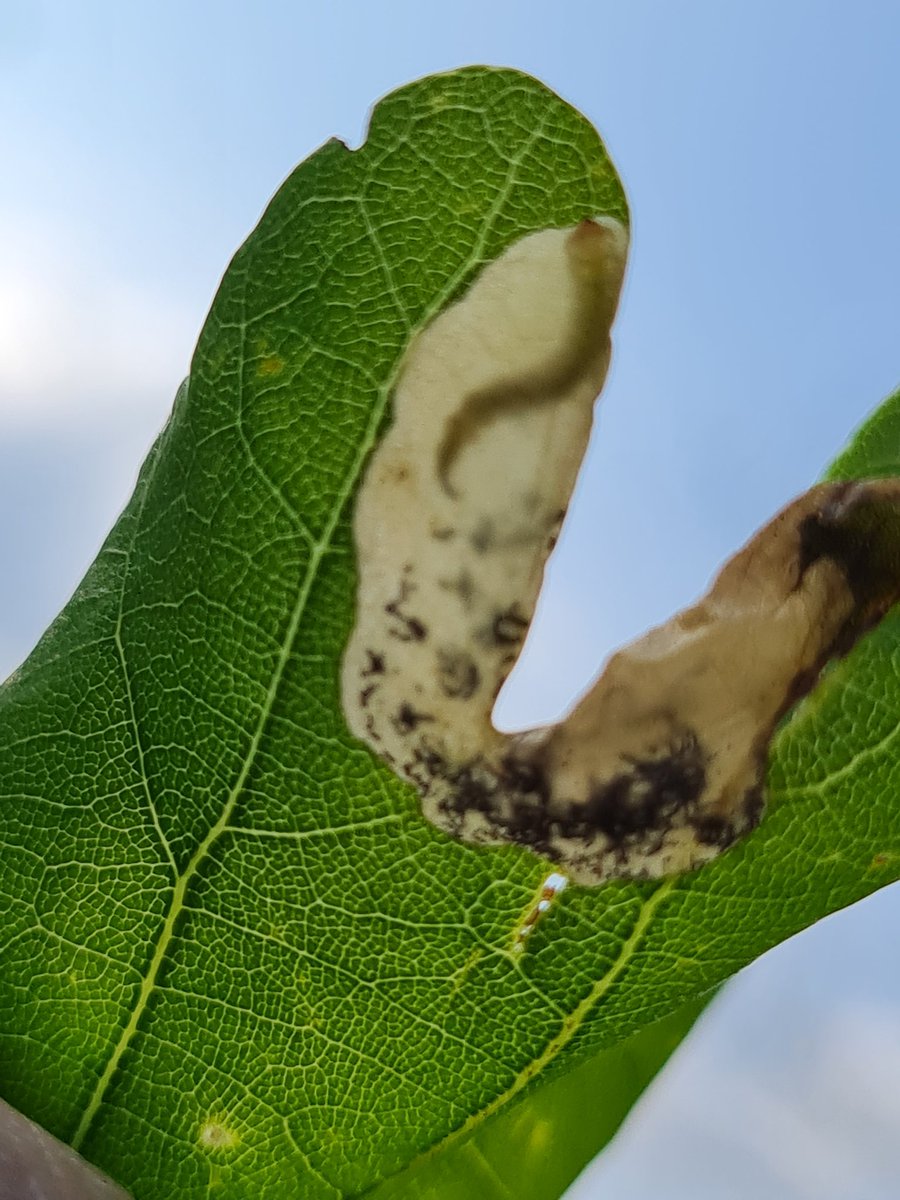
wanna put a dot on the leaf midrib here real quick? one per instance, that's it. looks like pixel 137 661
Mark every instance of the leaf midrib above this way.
pixel 317 551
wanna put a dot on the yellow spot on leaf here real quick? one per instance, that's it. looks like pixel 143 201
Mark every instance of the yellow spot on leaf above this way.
pixel 272 364
pixel 215 1134
pixel 541 1136
pixel 883 860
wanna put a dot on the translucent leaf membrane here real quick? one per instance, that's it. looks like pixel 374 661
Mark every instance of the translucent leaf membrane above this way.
pixel 236 959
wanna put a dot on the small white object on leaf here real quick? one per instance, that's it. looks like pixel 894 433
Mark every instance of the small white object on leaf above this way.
pixel 549 890
pixel 660 767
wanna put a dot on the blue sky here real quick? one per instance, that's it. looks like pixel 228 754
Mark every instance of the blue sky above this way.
pixel 758 146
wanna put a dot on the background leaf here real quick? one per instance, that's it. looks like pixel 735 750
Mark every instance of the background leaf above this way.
pixel 534 1149
pixel 235 954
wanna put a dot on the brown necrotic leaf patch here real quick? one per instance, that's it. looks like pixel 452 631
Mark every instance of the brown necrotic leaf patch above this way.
pixel 660 766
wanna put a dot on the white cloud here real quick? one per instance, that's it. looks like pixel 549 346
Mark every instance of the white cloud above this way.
pixel 90 360
pixel 79 340
pixel 817 1121
pixel 827 1126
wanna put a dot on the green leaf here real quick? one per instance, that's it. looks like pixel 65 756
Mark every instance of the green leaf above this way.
pixel 534 1149
pixel 235 956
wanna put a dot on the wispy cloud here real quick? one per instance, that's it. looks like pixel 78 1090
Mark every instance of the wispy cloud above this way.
pixel 78 339
pixel 818 1121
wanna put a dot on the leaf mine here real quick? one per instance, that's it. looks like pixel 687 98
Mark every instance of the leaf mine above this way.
pixel 660 766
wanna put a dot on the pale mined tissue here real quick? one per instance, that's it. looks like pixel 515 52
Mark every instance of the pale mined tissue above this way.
pixel 660 766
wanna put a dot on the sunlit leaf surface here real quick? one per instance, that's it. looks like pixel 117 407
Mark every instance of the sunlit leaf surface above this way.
pixel 234 955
